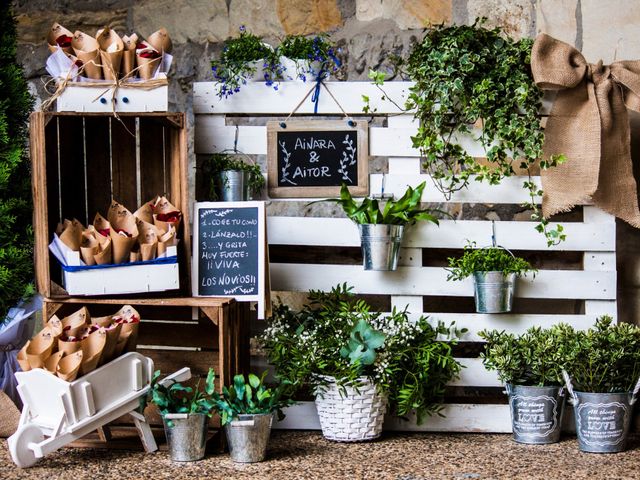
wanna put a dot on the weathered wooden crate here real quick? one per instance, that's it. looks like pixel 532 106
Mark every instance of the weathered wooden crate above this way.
pixel 81 161
pixel 576 280
pixel 199 333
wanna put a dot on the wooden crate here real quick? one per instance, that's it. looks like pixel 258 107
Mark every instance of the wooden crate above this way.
pixel 576 280
pixel 81 161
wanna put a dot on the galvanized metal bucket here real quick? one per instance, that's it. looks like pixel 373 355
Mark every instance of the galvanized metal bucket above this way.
pixel 494 291
pixel 248 437
pixel 380 246
pixel 536 413
pixel 602 419
pixel 233 185
pixel 186 435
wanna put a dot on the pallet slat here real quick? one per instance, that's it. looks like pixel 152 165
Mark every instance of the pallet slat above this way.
pixel 564 284
pixel 450 234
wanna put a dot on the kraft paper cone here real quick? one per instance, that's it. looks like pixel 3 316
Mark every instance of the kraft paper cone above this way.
pixel 92 348
pixel 23 361
pixel 148 60
pixel 102 321
pixel 87 50
pixel 69 365
pixel 68 345
pixel 40 348
pixel 129 53
pixel 130 320
pixel 60 37
pixel 148 239
pixel 104 254
pixel 89 248
pixel 167 239
pixel 102 226
pixel 55 326
pixel 160 40
pixel 148 251
pixel 134 257
pixel 165 214
pixel 122 243
pixel 71 236
pixel 119 217
pixel 51 363
pixel 145 212
pixel 73 325
pixel 113 334
pixel 111 49
pixel 121 344
pixel 60 227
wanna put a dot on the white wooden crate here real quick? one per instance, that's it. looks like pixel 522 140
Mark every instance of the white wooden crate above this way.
pixel 593 286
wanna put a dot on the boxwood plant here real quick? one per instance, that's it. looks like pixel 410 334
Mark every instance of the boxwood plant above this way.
pixel 490 259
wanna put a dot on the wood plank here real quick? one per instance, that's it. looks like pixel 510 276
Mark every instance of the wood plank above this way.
pixel 168 361
pixel 71 170
pixel 458 418
pixel 154 161
pixel 159 302
pixel 450 234
pixel 474 374
pixel 123 160
pixel 98 165
pixel 201 335
pixel 255 98
pixel 432 281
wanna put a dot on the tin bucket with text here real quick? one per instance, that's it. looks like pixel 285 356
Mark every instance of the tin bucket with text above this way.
pixel 536 413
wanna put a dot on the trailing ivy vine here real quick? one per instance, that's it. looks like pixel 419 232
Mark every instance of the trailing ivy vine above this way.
pixel 16 244
pixel 468 75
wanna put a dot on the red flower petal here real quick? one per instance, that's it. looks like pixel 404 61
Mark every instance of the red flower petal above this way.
pixel 64 41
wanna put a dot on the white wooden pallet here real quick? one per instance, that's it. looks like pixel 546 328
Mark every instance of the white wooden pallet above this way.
pixel 594 236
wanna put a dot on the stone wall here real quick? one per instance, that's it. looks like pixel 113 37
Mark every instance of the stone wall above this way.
pixel 367 31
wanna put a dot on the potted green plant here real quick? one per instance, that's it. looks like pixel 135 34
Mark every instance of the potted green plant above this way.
pixel 465 75
pixel 530 365
pixel 306 57
pixel 603 377
pixel 494 271
pixel 232 178
pixel 184 412
pixel 244 59
pixel 246 411
pixel 359 363
pixel 381 229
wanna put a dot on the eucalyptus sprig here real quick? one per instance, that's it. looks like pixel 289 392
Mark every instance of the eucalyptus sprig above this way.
pixel 488 259
pixel 468 75
pixel 404 211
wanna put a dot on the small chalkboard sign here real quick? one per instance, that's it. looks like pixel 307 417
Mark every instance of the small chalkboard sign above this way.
pixel 313 158
pixel 230 251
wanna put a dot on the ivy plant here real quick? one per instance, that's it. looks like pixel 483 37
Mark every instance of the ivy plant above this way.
pixel 221 161
pixel 249 397
pixel 605 358
pixel 535 358
pixel 336 334
pixel 466 75
pixel 404 211
pixel 16 231
pixel 490 259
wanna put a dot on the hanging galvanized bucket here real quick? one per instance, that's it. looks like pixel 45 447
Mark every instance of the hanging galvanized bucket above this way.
pixel 536 413
pixel 233 185
pixel 380 246
pixel 602 419
pixel 248 437
pixel 186 435
pixel 493 291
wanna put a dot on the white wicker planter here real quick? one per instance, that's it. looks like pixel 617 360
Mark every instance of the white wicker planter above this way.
pixel 354 417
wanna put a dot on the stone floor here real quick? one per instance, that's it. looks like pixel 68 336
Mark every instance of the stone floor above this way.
pixel 307 455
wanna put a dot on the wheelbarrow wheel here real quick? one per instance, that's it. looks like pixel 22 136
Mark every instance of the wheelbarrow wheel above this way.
pixel 19 442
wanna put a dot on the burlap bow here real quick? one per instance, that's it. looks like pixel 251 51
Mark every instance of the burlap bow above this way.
pixel 590 125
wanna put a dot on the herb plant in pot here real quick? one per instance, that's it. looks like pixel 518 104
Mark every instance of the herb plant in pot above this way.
pixel 359 363
pixel 244 59
pixel 233 178
pixel 185 412
pixel 494 271
pixel 246 411
pixel 530 365
pixel 603 377
pixel 381 229
pixel 308 58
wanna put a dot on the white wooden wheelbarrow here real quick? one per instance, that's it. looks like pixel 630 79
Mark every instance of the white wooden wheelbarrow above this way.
pixel 57 412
